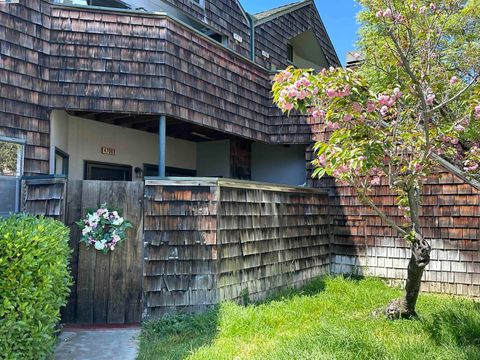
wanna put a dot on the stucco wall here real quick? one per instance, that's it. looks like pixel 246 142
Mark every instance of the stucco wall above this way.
pixel 83 139
pixel 278 164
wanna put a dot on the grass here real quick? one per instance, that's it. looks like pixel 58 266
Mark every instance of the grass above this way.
pixel 329 319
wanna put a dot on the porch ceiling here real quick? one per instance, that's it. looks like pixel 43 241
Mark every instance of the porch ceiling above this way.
pixel 144 122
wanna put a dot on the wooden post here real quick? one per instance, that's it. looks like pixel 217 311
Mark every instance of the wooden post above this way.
pixel 162 141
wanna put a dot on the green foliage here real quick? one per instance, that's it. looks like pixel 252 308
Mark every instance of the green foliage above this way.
pixel 330 319
pixel 8 158
pixel 34 284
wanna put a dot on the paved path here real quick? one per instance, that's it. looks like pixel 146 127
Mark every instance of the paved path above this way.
pixel 98 344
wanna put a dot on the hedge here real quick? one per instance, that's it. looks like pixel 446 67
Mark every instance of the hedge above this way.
pixel 34 284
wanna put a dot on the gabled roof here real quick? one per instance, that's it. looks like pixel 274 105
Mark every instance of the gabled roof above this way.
pixel 264 16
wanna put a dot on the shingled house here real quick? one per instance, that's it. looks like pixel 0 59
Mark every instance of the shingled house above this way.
pixel 163 109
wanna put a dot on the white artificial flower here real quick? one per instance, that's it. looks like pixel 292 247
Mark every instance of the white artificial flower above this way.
pixel 118 221
pixel 93 218
pixel 100 245
pixel 105 215
pixel 86 230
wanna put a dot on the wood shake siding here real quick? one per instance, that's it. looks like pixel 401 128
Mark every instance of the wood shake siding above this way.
pixel 274 35
pixel 224 16
pixel 61 57
pixel 24 47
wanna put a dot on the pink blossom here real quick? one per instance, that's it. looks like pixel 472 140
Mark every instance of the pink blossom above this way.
pixel 433 7
pixel 471 167
pixel 384 110
pixel 315 90
pixel 383 99
pixel 348 117
pixel 459 128
pixel 322 160
pixel 331 92
pixel 418 167
pixel 287 106
pixel 453 80
pixel 446 139
pixel 430 98
pixel 332 125
pixel 454 141
pixel 477 111
pixel 303 94
pixel 357 107
pixel 318 114
pixel 370 106
pixel 398 94
pixel 283 93
pixel 375 181
pixel 422 10
pixel 379 13
pixel 387 13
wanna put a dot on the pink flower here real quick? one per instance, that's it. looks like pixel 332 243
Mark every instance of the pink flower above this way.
pixel 454 141
pixel 318 114
pixel 357 107
pixel 331 92
pixel 315 90
pixel 471 167
pixel 453 80
pixel 370 106
pixel 430 98
pixel 375 180
pixel 379 13
pixel 398 94
pixel 287 106
pixel 459 128
pixel 433 7
pixel 418 167
pixel 383 99
pixel 387 13
pixel 348 117
pixel 422 10
pixel 384 110
pixel 477 111
pixel 332 125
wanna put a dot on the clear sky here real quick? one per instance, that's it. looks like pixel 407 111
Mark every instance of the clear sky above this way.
pixel 337 15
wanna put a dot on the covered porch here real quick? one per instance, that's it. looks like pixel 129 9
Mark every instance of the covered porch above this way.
pixel 129 147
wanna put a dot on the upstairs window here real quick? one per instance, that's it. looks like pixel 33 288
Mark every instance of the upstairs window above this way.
pixel 289 52
pixel 200 3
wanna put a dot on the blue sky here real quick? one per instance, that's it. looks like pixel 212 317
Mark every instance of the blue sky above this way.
pixel 337 15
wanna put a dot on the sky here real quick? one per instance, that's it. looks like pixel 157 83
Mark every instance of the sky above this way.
pixel 337 15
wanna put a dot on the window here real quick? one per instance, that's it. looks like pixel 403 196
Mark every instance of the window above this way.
pixel 61 162
pixel 289 52
pixel 200 3
pixel 11 171
pixel 109 172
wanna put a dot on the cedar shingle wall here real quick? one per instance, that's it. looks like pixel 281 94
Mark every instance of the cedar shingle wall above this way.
pixel 206 243
pixel 450 217
pixel 23 48
pixel 224 16
pixel 273 36
pixel 269 240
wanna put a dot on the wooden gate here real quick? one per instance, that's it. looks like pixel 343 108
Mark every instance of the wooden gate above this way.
pixel 108 287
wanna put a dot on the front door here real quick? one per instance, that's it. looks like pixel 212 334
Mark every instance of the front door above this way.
pixel 106 171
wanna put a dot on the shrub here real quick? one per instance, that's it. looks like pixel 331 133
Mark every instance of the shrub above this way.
pixel 34 284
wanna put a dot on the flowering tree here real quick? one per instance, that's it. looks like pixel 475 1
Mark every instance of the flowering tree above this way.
pixel 415 97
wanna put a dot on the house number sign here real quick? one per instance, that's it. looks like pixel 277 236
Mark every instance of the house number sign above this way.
pixel 108 150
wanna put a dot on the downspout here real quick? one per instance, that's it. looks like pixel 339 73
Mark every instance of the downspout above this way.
pixel 252 37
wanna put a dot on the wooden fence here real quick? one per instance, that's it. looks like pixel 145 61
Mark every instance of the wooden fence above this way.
pixel 107 287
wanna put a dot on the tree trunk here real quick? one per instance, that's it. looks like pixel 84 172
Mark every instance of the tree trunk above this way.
pixel 405 307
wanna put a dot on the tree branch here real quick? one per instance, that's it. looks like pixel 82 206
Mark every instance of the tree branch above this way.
pixel 460 93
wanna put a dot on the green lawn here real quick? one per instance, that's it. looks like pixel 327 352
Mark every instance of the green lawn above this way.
pixel 329 319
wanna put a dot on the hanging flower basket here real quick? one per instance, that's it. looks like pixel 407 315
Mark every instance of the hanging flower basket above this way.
pixel 103 229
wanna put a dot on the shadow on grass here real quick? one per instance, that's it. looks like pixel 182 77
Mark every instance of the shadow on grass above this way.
pixel 458 325
pixel 176 336
pixel 311 288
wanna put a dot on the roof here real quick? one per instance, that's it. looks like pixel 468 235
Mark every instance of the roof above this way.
pixel 268 15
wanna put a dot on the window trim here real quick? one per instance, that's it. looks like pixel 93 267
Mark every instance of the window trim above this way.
pixel 89 163
pixel 66 161
pixel 290 53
